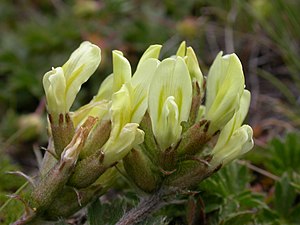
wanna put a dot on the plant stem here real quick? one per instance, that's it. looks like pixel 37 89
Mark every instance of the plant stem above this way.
pixel 145 208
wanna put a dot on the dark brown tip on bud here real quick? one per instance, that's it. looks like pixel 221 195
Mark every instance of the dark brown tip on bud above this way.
pixel 208 158
pixel 218 168
pixel 202 122
pixel 204 83
pixel 206 126
pixel 216 133
pixel 68 119
pixel 177 144
pixel 62 165
pixel 101 157
pixel 50 118
pixel 60 118
pixel 114 164
pixel 197 88
pixel 88 125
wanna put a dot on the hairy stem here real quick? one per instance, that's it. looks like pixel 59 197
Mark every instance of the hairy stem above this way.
pixel 145 208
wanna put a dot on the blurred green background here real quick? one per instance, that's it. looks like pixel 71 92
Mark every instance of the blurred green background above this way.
pixel 38 34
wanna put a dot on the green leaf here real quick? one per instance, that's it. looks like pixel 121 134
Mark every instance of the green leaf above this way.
pixel 227 199
pixel 284 196
pixel 231 179
pixel 238 218
pixel 106 213
pixel 295 214
pixel 284 155
pixel 267 216
pixel 95 212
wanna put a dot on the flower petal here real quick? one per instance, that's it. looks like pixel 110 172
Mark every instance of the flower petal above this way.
pixel 117 148
pixel 168 127
pixel 240 142
pixel 78 69
pixel 236 121
pixel 106 89
pixel 225 84
pixel 182 49
pixel 95 109
pixel 121 70
pixel 141 81
pixel 151 52
pixel 171 79
pixel 193 66
pixel 120 110
pixel 55 86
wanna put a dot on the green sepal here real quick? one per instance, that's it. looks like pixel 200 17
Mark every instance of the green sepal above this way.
pixel 97 139
pixel 190 173
pixel 70 200
pixel 196 102
pixel 50 186
pixel 62 132
pixel 149 146
pixel 194 139
pixel 88 170
pixel 142 171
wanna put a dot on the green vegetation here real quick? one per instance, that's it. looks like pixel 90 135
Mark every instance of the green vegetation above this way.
pixel 264 188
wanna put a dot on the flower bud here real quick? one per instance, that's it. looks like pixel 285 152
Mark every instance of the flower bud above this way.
pixel 234 140
pixel 71 152
pixel 170 97
pixel 225 85
pixel 142 171
pixel 62 84
pixel 239 143
pixel 141 81
pixel 55 179
pixel 197 80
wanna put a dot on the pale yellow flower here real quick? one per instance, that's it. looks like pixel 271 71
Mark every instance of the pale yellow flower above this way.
pixel 234 139
pixel 62 84
pixel 225 85
pixel 170 97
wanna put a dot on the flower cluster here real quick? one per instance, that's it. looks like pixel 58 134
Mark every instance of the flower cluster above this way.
pixel 165 125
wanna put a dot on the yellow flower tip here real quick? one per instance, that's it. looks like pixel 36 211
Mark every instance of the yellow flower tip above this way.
pixel 182 49
pixel 239 143
pixel 121 70
pixel 225 86
pixel 62 84
pixel 152 52
pixel 193 67
pixel 170 128
pixel 170 97
pixel 117 147
pixel 54 85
